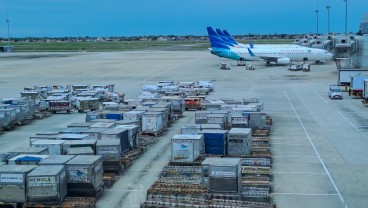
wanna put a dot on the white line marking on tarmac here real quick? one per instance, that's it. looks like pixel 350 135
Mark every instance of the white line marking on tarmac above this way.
pixel 310 173
pixel 287 144
pixel 305 194
pixel 347 120
pixel 324 100
pixel 316 151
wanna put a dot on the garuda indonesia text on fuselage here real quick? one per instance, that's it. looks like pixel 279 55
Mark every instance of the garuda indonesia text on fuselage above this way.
pixel 227 48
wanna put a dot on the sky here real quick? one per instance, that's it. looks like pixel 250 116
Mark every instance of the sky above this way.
pixel 105 18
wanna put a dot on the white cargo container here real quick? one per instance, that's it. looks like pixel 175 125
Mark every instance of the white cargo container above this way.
pixel 239 141
pixel 190 129
pixel 13 183
pixel 201 116
pixel 357 84
pixel 73 137
pixel 94 133
pixel 31 151
pixel 79 143
pixel 56 160
pixel 55 147
pixel 47 184
pixel 133 115
pixel 217 119
pixel 152 122
pixel 186 148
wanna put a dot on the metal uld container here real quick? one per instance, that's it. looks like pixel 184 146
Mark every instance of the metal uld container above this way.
pixel 178 104
pixel 90 116
pixel 257 120
pixel 165 113
pixel 7 116
pixel 133 115
pixel 79 143
pixel 107 125
pixel 94 133
pixel 217 119
pixel 85 175
pixel 32 139
pixel 13 183
pixel 210 127
pixel 201 116
pixel 80 124
pixel 239 121
pixel 133 134
pixel 186 148
pixel 239 141
pixel 24 159
pixel 190 129
pixel 47 184
pixel 215 141
pixel 80 151
pixel 73 130
pixel 56 160
pixel 55 147
pixel 152 122
pixel 120 134
pixel 73 137
pixel 110 151
pixel 32 151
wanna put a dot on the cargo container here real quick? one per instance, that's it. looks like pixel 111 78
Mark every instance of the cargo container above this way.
pixel 133 115
pixel 127 122
pixel 134 102
pixel 80 125
pixel 79 143
pixel 217 119
pixel 31 151
pixel 80 87
pixel 120 134
pixel 133 133
pixel 13 183
pixel 107 125
pixel 90 116
pixel 239 141
pixel 152 122
pixel 240 121
pixel 257 120
pixel 94 133
pixel 215 141
pixel 26 159
pixel 193 103
pixel 42 137
pixel 56 160
pixel 190 129
pixel 169 106
pixel 110 150
pixel 80 151
pixel 149 103
pixel 210 127
pixel 365 91
pixel 344 75
pixel 114 115
pixel 73 130
pixel 357 85
pixel 165 114
pixel 47 184
pixel 201 116
pixel 7 118
pixel 142 108
pixel 186 148
pixel 53 131
pixel 55 147
pixel 85 176
pixel 60 105
pixel 222 176
pixel 85 104
pixel 73 137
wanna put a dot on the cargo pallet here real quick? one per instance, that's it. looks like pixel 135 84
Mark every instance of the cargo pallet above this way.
pixel 109 179
pixel 78 202
pixel 40 205
pixel 151 134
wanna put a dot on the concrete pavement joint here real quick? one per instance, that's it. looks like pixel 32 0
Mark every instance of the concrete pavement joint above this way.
pixel 317 153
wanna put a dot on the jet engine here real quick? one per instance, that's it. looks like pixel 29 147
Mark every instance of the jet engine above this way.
pixel 283 60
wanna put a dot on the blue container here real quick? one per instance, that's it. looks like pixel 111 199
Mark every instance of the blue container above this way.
pixel 115 116
pixel 215 141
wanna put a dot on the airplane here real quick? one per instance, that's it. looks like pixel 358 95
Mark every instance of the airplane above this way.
pixel 279 55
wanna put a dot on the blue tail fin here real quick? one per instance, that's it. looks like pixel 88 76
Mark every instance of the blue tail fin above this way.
pixel 215 39
pixel 251 44
pixel 224 38
pixel 230 38
pixel 250 52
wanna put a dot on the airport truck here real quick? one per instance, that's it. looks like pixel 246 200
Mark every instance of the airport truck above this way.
pixel 346 74
pixel 365 92
pixel 356 85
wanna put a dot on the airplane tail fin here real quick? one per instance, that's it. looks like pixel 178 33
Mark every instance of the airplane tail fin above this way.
pixel 230 38
pixel 215 40
pixel 224 38
pixel 250 52
pixel 251 44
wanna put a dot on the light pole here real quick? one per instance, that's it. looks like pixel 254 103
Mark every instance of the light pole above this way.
pixel 7 22
pixel 317 19
pixel 328 19
pixel 346 17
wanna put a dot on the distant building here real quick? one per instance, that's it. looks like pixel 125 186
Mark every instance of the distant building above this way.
pixel 364 24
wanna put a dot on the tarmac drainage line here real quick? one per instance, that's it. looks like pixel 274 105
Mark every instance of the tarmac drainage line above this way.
pixel 315 150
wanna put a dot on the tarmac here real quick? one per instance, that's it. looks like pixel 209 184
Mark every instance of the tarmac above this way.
pixel 318 145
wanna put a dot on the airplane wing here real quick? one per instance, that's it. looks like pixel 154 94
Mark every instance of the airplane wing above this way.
pixel 276 59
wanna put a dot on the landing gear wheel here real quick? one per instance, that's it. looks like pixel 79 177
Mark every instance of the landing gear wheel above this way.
pixel 268 63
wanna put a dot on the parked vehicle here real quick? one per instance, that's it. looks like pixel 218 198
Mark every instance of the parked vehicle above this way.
pixel 335 92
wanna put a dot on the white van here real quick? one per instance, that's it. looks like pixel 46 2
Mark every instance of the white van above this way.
pixel 335 92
